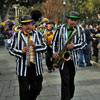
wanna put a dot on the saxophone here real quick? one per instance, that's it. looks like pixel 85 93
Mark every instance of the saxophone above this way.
pixel 64 55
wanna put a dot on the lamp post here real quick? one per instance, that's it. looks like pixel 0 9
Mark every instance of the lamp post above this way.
pixel 58 15
pixel 87 22
pixel 74 5
pixel 64 10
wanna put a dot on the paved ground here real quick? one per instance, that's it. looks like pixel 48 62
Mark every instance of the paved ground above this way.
pixel 87 81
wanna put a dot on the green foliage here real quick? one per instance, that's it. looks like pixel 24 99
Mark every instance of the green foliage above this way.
pixel 29 3
pixel 87 8
pixel 5 5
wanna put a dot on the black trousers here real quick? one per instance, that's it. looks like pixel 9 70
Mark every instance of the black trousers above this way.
pixel 67 81
pixel 49 60
pixel 31 85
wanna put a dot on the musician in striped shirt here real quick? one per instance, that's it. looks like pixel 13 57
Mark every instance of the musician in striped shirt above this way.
pixel 27 46
pixel 68 68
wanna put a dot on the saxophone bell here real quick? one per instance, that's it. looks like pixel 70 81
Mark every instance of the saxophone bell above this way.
pixel 66 56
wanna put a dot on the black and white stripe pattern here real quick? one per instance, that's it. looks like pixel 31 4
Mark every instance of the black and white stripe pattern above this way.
pixel 18 43
pixel 59 41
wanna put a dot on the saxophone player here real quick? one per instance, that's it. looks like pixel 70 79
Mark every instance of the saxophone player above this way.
pixel 68 68
pixel 32 42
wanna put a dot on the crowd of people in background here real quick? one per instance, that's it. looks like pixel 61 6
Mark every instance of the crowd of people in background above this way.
pixel 7 31
pixel 91 48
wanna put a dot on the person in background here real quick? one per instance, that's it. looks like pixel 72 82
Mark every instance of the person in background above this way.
pixel 91 29
pixel 68 68
pixel 95 43
pixel 1 35
pixel 11 29
pixel 41 28
pixel 48 35
pixel 27 46
pixel 6 37
pixel 84 54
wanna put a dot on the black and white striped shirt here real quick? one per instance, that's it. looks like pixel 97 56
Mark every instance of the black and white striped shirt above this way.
pixel 18 43
pixel 59 40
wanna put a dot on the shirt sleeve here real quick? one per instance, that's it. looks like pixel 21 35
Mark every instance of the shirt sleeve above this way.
pixel 41 44
pixel 14 46
pixel 81 40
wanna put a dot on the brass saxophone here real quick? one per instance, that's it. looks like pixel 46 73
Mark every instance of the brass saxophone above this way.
pixel 64 55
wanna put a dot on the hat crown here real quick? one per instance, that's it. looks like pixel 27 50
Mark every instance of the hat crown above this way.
pixel 26 18
pixel 74 14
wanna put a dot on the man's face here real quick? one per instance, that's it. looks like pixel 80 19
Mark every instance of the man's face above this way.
pixel 72 22
pixel 49 26
pixel 32 26
pixel 26 26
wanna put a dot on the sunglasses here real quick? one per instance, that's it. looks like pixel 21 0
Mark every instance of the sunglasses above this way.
pixel 74 19
pixel 27 23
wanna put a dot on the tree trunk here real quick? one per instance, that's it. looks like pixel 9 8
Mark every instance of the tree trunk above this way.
pixel 5 10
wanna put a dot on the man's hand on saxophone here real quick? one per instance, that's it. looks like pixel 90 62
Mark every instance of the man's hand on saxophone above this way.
pixel 70 45
pixel 56 55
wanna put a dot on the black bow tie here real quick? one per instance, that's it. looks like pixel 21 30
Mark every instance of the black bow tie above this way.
pixel 70 29
pixel 28 33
